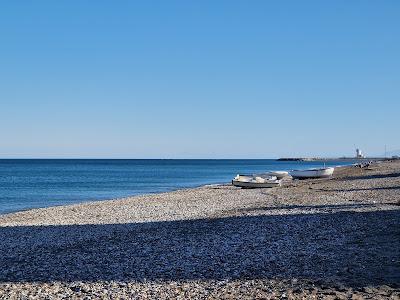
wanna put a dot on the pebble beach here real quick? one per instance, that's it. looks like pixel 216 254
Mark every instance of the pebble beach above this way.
pixel 321 239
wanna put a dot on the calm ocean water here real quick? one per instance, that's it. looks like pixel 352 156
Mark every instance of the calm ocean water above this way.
pixel 26 184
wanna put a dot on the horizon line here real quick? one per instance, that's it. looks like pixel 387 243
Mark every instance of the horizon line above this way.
pixel 200 158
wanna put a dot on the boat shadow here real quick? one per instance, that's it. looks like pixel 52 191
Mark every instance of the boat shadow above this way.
pixel 359 189
pixel 320 208
pixel 357 249
pixel 374 176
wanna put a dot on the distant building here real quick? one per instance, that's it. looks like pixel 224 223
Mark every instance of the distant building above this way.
pixel 359 154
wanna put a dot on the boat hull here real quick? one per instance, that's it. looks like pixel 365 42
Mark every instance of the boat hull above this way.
pixel 279 174
pixel 313 173
pixel 253 185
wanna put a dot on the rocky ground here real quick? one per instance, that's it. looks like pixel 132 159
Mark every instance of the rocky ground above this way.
pixel 322 239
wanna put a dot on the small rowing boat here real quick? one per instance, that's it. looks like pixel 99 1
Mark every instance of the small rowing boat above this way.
pixel 277 174
pixel 312 173
pixel 249 181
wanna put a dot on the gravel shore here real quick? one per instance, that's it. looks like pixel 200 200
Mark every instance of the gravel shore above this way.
pixel 330 239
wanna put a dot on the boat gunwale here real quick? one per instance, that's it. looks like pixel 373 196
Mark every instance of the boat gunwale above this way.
pixel 314 169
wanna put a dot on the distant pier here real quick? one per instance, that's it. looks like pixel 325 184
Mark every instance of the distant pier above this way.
pixel 327 159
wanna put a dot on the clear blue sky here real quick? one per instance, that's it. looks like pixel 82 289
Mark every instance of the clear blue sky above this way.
pixel 198 79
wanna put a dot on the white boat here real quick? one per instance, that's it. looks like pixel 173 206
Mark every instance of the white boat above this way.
pixel 277 174
pixel 312 173
pixel 248 181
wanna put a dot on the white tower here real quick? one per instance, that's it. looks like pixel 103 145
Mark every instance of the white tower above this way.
pixel 359 153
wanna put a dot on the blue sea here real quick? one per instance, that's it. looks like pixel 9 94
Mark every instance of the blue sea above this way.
pixel 33 183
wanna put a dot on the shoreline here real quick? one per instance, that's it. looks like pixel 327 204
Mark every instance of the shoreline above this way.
pixel 168 190
pixel 326 238
pixel 114 199
pixel 89 202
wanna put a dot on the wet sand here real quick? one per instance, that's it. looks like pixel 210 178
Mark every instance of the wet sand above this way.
pixel 334 238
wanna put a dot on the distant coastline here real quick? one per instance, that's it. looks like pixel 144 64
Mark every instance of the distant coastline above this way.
pixel 329 159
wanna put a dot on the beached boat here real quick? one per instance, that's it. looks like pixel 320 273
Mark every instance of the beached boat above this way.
pixel 312 173
pixel 248 181
pixel 277 174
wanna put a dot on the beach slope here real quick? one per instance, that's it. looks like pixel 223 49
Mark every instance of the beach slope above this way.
pixel 329 238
